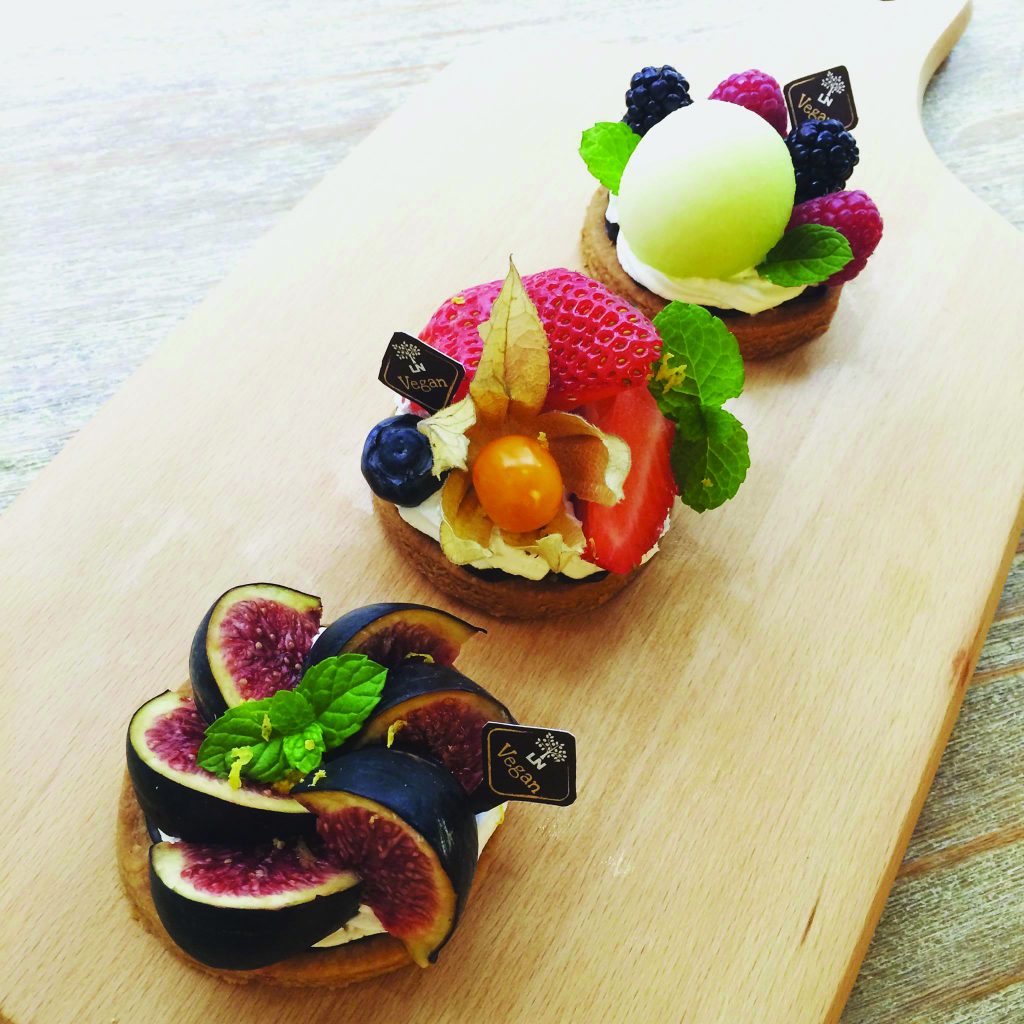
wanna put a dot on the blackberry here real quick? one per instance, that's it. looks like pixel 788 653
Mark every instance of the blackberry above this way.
pixel 654 93
pixel 824 155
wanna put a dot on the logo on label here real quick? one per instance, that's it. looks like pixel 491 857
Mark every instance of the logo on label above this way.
pixel 822 95
pixel 523 762
pixel 419 372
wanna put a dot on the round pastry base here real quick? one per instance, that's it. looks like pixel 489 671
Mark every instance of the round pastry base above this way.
pixel 319 968
pixel 760 336
pixel 507 598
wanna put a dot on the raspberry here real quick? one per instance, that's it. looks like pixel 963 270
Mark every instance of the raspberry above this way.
pixel 824 155
pixel 597 343
pixel 652 95
pixel 851 213
pixel 757 92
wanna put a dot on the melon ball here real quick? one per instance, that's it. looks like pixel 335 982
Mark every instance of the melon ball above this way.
pixel 707 192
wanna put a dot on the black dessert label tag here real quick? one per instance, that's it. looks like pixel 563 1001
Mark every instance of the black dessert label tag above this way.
pixel 420 373
pixel 525 762
pixel 821 95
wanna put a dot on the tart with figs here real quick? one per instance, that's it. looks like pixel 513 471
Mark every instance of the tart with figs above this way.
pixel 721 202
pixel 310 808
pixel 552 477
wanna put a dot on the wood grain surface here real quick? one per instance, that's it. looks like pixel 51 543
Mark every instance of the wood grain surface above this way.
pixel 949 949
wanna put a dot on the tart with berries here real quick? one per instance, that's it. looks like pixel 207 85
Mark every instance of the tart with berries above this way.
pixel 717 202
pixel 551 479
pixel 310 808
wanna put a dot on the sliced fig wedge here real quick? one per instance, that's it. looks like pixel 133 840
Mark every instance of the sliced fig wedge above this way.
pixel 387 633
pixel 250 644
pixel 239 908
pixel 188 802
pixel 402 823
pixel 437 711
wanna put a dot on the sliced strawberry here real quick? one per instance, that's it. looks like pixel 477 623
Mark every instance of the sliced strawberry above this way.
pixel 598 344
pixel 618 536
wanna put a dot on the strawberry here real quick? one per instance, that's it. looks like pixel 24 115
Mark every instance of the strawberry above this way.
pixel 598 344
pixel 618 536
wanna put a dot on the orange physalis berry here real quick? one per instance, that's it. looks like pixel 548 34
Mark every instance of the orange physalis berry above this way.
pixel 518 483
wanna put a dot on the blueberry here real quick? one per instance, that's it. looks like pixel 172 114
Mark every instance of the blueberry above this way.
pixel 397 462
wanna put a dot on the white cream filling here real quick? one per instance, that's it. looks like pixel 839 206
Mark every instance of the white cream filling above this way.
pixel 746 291
pixel 365 923
pixel 426 517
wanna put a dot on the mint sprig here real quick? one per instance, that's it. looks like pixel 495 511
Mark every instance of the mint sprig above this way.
pixel 699 369
pixel 807 254
pixel 305 750
pixel 606 149
pixel 291 731
pixel 289 712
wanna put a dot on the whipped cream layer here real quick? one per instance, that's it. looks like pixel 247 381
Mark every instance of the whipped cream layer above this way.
pixel 365 923
pixel 746 291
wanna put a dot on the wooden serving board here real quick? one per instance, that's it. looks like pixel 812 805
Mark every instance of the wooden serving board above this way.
pixel 758 718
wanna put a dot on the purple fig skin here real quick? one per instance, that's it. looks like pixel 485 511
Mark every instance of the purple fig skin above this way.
pixel 234 938
pixel 353 632
pixel 409 684
pixel 184 811
pixel 421 794
pixel 206 689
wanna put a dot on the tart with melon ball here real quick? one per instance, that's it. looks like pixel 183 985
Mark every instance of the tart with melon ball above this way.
pixel 551 480
pixel 717 202
pixel 310 810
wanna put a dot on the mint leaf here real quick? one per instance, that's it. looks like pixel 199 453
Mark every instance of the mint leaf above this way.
pixel 238 727
pixel 304 750
pixel 606 149
pixel 268 762
pixel 289 712
pixel 709 456
pixel 700 358
pixel 806 254
pixel 342 692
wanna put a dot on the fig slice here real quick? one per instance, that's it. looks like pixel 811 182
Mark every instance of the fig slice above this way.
pixel 388 633
pixel 250 644
pixel 439 712
pixel 240 908
pixel 403 824
pixel 188 802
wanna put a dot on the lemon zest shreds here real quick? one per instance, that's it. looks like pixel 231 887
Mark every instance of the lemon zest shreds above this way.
pixel 394 728
pixel 240 756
